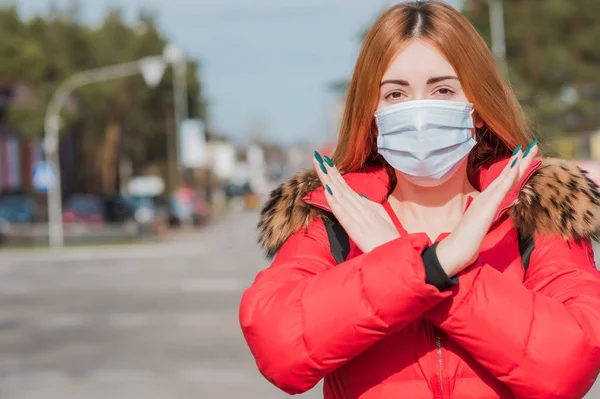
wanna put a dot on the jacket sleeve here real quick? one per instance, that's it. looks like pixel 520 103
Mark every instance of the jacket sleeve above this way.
pixel 304 316
pixel 541 337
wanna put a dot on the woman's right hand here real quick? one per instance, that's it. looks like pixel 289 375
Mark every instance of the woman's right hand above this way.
pixel 366 222
pixel 461 248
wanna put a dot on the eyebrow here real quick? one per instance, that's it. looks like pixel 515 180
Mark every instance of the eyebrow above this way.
pixel 430 81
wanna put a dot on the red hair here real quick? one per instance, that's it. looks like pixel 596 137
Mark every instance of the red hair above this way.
pixel 505 125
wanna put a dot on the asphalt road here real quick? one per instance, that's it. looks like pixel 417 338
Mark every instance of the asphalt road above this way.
pixel 145 321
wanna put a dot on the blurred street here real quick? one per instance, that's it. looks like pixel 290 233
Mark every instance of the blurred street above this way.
pixel 152 321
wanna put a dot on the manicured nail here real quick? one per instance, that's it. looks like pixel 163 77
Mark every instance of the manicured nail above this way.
pixel 364 196
pixel 328 189
pixel 517 150
pixel 514 163
pixel 323 168
pixel 533 143
pixel 328 160
pixel 318 157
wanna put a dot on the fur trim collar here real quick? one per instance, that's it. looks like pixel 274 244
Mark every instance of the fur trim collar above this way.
pixel 558 198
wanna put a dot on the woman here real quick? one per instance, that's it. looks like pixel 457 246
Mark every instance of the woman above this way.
pixel 436 181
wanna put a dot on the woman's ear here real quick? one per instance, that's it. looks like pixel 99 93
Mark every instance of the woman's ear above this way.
pixel 374 128
pixel 478 121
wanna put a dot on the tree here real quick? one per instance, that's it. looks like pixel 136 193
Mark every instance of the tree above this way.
pixel 116 120
pixel 553 60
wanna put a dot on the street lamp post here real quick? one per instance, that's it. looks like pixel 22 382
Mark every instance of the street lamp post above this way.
pixel 151 67
pixel 497 32
pixel 180 97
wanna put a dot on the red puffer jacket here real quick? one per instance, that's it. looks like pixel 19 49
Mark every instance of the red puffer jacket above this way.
pixel 373 328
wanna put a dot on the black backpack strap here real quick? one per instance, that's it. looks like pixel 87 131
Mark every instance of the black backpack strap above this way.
pixel 526 246
pixel 339 242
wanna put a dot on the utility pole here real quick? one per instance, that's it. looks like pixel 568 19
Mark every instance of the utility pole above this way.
pixel 497 32
pixel 180 98
pixel 151 68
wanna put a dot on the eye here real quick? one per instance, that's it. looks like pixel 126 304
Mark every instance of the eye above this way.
pixel 394 95
pixel 444 92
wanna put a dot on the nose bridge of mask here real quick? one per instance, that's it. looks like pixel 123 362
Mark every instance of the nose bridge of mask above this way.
pixel 420 122
pixel 422 118
pixel 423 129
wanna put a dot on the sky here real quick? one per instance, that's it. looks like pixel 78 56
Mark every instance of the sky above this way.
pixel 265 64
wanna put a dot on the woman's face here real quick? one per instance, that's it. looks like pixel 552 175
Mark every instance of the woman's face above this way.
pixel 419 72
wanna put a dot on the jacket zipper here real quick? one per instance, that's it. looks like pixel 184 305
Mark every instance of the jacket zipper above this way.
pixel 438 343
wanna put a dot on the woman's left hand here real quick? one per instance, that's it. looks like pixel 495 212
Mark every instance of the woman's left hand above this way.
pixel 461 248
pixel 366 222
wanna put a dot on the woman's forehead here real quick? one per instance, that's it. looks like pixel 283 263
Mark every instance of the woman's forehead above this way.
pixel 417 61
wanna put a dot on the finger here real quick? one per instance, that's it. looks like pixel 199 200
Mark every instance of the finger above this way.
pixel 348 204
pixel 528 157
pixel 521 164
pixel 336 204
pixel 346 214
pixel 508 171
pixel 339 204
pixel 321 170
pixel 511 175
pixel 338 183
pixel 498 189
pixel 336 177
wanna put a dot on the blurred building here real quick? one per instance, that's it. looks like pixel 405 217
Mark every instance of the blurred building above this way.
pixel 17 158
pixel 19 151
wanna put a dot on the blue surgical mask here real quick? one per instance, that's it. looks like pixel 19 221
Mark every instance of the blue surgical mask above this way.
pixel 425 140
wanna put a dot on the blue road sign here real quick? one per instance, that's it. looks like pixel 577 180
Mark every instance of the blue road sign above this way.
pixel 44 176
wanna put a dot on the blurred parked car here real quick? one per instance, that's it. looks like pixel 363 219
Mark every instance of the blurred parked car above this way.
pixel 242 194
pixel 143 211
pixel 233 190
pixel 83 209
pixel 17 209
pixel 120 209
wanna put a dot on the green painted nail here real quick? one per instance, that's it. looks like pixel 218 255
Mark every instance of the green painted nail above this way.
pixel 514 163
pixel 533 143
pixel 323 168
pixel 318 157
pixel 328 189
pixel 328 160
pixel 364 196
pixel 517 150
